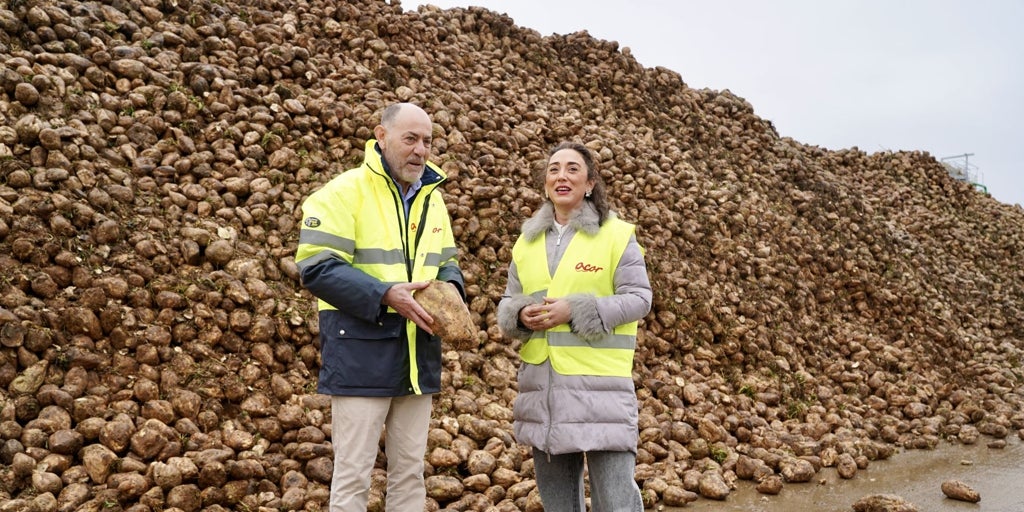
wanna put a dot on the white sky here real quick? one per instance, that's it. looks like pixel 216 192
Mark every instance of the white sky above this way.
pixel 942 76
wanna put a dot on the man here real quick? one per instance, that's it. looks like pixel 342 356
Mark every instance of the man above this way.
pixel 370 238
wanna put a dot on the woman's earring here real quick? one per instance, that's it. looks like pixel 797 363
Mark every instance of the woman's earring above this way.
pixel 588 193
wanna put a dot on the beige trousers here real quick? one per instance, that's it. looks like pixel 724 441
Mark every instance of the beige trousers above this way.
pixel 356 426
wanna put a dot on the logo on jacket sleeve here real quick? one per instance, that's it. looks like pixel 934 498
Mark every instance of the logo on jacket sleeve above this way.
pixel 312 222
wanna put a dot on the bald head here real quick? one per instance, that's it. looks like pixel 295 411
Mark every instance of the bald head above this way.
pixel 395 111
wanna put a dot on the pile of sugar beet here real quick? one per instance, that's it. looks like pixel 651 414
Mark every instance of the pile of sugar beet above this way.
pixel 813 308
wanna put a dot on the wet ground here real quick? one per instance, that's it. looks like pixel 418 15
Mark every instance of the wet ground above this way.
pixel 915 475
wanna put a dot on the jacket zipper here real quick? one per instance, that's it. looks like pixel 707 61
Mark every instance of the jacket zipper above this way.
pixel 558 257
pixel 396 195
pixel 547 438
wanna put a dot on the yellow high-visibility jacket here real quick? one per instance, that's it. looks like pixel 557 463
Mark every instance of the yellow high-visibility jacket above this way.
pixel 355 242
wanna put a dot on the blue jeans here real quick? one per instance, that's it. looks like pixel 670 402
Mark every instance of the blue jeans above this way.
pixel 612 486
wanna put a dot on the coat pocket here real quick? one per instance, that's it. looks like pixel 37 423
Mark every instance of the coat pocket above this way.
pixel 363 358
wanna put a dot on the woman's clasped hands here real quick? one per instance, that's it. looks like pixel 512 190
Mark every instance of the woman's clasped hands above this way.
pixel 545 315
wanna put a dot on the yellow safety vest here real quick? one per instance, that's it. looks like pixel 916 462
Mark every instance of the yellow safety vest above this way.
pixel 588 266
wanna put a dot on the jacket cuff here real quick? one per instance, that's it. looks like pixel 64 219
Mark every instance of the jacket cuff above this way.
pixel 586 320
pixel 508 316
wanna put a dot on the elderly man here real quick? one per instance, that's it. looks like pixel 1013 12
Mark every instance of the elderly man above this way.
pixel 370 238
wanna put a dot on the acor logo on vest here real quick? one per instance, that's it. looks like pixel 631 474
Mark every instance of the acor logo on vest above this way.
pixel 312 222
pixel 586 267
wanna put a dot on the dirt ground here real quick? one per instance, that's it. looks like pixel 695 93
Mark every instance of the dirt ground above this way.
pixel 915 475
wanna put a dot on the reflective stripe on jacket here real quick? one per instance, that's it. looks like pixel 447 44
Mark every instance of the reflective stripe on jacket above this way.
pixel 588 266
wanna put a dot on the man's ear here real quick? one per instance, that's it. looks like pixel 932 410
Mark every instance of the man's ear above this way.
pixel 378 133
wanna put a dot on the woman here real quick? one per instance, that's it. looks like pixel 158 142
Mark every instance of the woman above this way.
pixel 577 315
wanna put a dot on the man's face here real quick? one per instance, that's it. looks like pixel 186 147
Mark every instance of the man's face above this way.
pixel 405 144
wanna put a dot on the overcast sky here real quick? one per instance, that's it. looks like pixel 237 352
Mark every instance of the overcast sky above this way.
pixel 942 76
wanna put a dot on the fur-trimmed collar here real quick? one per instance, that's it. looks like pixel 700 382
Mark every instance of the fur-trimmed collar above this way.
pixel 584 218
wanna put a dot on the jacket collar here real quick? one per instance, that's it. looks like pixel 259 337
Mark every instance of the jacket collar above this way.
pixel 432 174
pixel 584 218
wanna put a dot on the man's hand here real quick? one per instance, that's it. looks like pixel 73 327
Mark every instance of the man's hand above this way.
pixel 399 298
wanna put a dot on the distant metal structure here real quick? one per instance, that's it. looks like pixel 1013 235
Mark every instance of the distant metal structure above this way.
pixel 961 168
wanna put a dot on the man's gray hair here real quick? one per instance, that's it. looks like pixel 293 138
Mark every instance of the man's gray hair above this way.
pixel 390 113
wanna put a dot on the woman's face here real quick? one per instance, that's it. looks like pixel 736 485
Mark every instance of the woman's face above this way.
pixel 565 182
